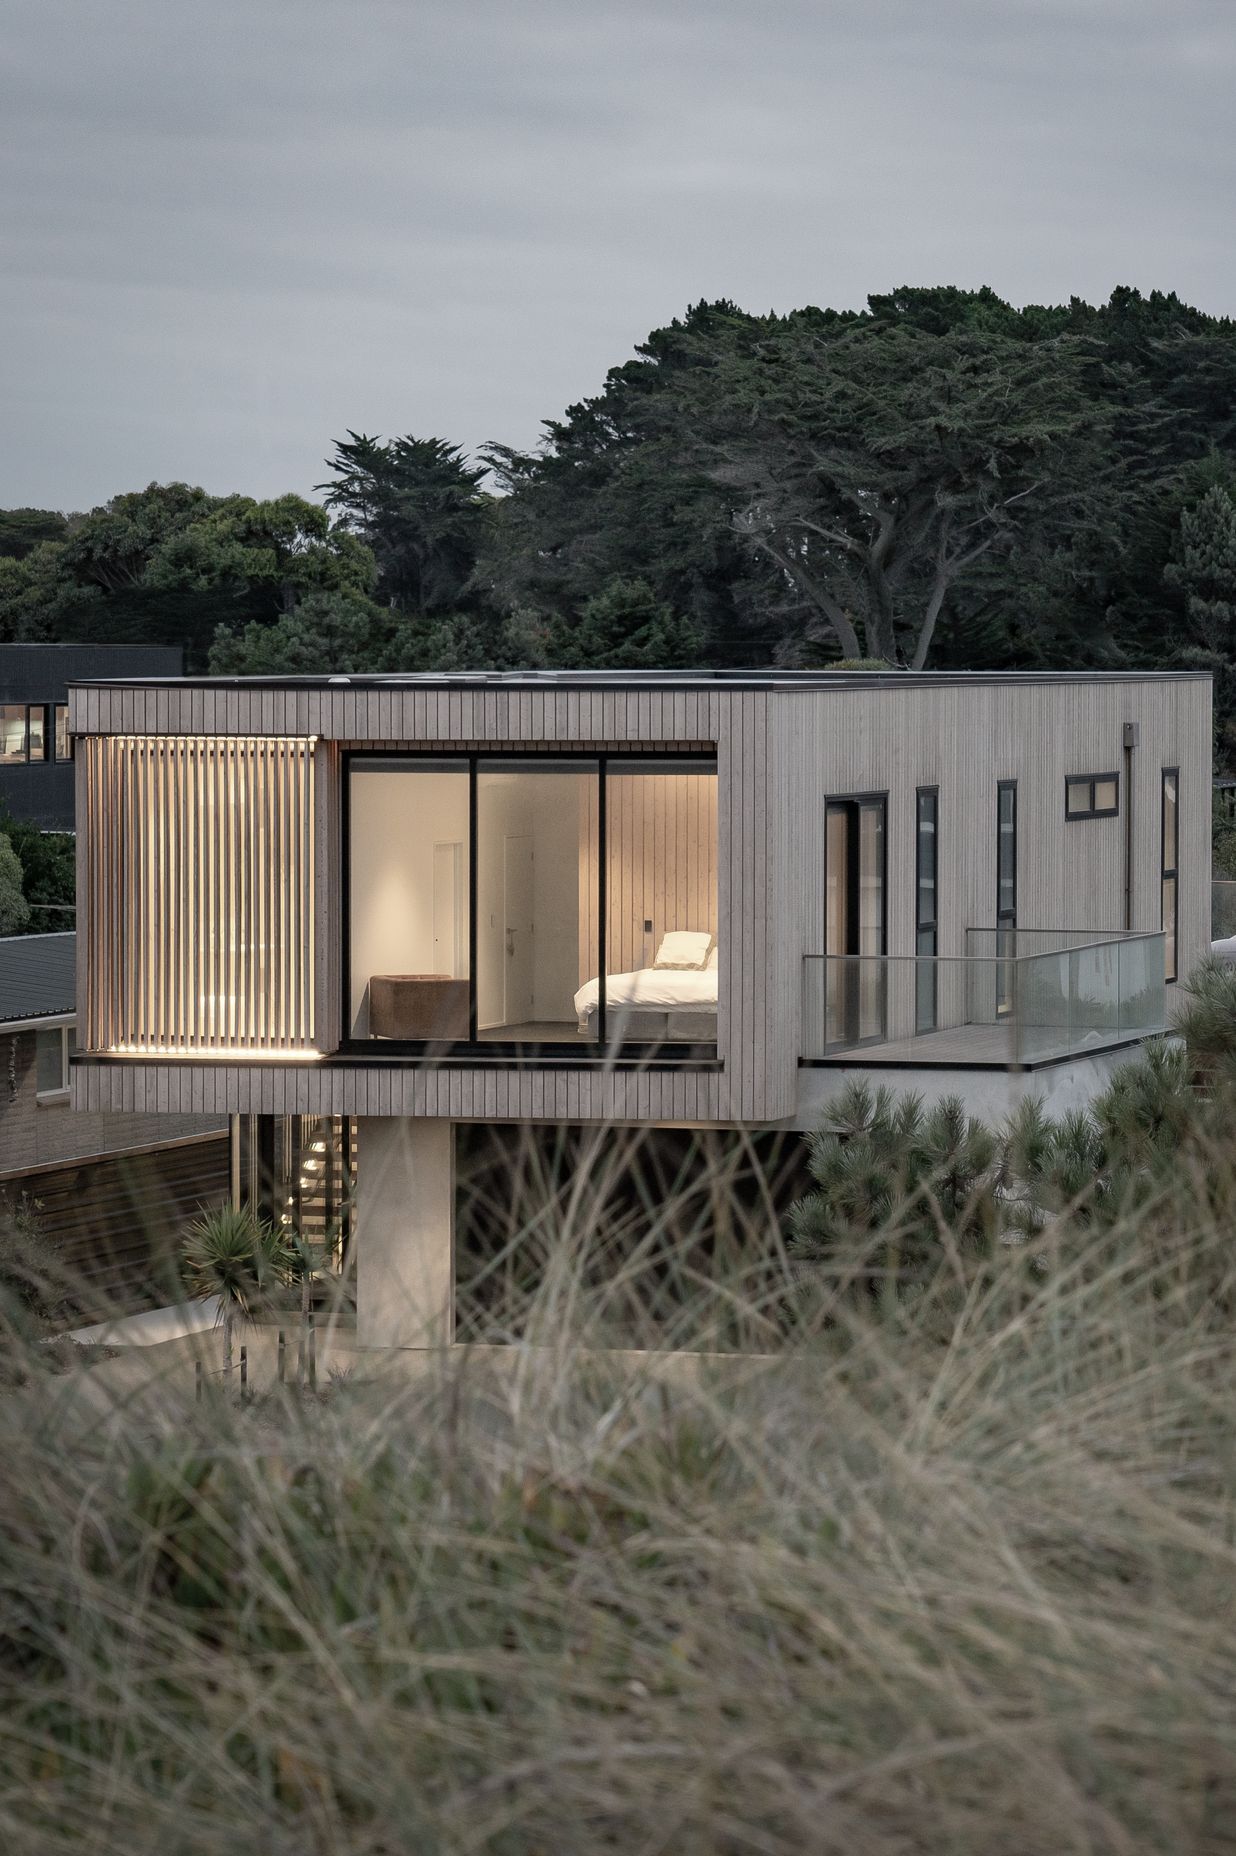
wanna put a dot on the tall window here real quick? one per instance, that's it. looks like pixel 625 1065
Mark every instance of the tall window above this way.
pixel 409 836
pixel 926 906
pixel 36 732
pixel 1006 891
pixel 64 743
pixel 661 953
pixel 536 884
pixel 1170 886
pixel 854 926
pixel 12 733
pixel 54 1045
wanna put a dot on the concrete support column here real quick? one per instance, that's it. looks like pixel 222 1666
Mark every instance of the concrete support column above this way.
pixel 404 1232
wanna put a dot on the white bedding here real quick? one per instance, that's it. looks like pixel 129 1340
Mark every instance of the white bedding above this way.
pixel 656 989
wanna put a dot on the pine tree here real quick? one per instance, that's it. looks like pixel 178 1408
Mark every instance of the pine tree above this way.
pixel 1205 573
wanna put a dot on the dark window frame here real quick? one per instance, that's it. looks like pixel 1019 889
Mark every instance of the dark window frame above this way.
pixel 1170 872
pixel 596 1054
pixel 1006 919
pixel 61 760
pixel 43 711
pixel 929 795
pixel 1072 781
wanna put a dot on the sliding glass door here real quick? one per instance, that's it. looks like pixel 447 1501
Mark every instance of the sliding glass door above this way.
pixel 855 919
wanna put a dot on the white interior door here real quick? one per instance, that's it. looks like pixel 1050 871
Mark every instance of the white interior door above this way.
pixel 448 909
pixel 517 928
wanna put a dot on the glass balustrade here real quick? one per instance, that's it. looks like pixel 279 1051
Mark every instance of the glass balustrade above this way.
pixel 1041 996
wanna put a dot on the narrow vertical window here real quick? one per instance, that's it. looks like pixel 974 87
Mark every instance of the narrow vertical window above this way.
pixel 926 906
pixel 1006 891
pixel 855 919
pixel 1170 852
pixel 36 732
pixel 64 744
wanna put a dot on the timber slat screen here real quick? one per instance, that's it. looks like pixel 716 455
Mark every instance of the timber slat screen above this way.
pixel 199 894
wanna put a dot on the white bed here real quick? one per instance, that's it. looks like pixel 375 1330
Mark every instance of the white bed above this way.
pixel 654 1002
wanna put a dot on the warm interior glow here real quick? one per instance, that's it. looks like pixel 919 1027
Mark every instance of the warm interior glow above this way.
pixel 199 895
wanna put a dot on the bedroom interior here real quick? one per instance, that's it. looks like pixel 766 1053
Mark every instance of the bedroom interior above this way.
pixel 499 941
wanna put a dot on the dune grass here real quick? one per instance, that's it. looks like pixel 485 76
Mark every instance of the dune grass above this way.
pixel 953 1571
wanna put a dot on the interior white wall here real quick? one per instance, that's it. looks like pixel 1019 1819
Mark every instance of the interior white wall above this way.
pixel 555 890
pixel 396 818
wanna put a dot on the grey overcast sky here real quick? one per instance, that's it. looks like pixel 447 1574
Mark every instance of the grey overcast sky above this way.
pixel 231 230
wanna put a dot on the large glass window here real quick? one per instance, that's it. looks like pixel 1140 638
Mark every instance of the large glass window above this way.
pixel 662 959
pixel 526 901
pixel 926 906
pixel 536 897
pixel 409 836
pixel 1170 890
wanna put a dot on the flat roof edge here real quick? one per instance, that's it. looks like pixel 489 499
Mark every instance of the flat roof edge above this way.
pixel 618 682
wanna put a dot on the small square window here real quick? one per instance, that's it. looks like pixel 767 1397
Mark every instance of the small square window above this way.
pixel 1091 795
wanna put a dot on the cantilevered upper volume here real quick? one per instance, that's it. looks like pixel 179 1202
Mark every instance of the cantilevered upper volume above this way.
pixel 692 896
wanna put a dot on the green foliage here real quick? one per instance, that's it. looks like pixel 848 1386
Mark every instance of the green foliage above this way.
pixel 891 1180
pixel 418 506
pixel 23 530
pixel 48 873
pixel 940 479
pixel 894 1183
pixel 1207 1022
pixel 14 909
pixel 245 1262
pixel 626 627
pixel 1204 573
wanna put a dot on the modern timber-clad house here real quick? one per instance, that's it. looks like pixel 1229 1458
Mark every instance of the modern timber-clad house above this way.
pixel 400 903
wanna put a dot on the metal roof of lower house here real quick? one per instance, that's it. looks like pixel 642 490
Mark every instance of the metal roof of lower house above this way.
pixel 38 976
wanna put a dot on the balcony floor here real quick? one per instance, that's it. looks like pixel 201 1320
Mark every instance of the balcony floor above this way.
pixel 986 1047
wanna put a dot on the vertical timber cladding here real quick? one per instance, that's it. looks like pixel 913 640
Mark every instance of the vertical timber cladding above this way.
pixel 199 889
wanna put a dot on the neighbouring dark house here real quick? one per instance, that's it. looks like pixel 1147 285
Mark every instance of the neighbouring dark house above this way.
pixel 111 1190
pixel 36 752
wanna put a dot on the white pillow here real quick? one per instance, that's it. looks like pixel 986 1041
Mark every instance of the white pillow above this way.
pixel 682 948
pixel 713 960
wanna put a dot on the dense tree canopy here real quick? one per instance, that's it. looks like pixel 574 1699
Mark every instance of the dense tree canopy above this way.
pixel 938 480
